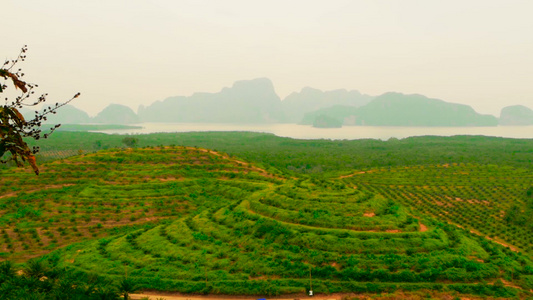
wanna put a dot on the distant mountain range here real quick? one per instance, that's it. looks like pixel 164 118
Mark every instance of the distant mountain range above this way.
pixel 395 109
pixel 68 114
pixel 296 105
pixel 251 101
pixel 255 101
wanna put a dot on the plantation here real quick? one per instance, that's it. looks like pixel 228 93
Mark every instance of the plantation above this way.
pixel 188 219
pixel 94 195
pixel 476 197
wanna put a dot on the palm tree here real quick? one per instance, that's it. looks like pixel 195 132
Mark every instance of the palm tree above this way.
pixel 7 269
pixel 105 292
pixel 35 269
pixel 127 286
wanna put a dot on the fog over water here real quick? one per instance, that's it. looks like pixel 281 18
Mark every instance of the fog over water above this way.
pixel 346 132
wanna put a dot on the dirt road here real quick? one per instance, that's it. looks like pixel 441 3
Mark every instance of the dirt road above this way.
pixel 176 296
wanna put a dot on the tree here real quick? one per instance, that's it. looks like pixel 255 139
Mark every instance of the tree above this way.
pixel 127 286
pixel 130 141
pixel 13 127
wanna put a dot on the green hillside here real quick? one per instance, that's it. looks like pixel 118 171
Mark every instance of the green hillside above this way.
pixel 475 197
pixel 93 195
pixel 199 221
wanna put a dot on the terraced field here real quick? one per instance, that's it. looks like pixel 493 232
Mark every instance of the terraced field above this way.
pixel 476 197
pixel 95 195
pixel 198 221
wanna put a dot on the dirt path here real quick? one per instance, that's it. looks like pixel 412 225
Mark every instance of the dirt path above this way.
pixel 351 175
pixel 178 296
pixel 251 166
pixel 512 248
pixel 46 187
pixel 501 243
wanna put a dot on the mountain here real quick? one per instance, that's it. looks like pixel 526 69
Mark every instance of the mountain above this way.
pixel 395 109
pixel 248 101
pixel 68 114
pixel 296 105
pixel 323 121
pixel 516 115
pixel 117 114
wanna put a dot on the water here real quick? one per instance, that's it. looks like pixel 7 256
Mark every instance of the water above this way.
pixel 346 132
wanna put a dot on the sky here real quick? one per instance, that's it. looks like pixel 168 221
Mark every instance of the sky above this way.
pixel 475 52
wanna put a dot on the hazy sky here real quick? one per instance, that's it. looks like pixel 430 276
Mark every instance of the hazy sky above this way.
pixel 475 52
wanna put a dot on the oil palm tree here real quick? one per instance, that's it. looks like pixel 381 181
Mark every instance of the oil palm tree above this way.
pixel 127 286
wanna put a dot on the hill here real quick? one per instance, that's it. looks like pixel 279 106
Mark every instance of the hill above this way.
pixel 197 220
pixel 86 196
pixel 324 121
pixel 116 114
pixel 296 105
pixel 395 109
pixel 516 115
pixel 340 114
pixel 248 101
pixel 68 114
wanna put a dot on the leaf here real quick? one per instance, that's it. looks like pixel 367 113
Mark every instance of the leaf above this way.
pixel 18 83
pixel 19 115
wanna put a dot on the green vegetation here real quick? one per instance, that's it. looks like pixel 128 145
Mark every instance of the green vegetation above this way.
pixel 41 280
pixel 94 127
pixel 472 196
pixel 522 215
pixel 130 141
pixel 89 196
pixel 188 219
pixel 317 157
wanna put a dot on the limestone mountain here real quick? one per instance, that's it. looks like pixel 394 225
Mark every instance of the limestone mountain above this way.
pixel 395 109
pixel 117 114
pixel 68 114
pixel 516 115
pixel 324 121
pixel 296 105
pixel 248 101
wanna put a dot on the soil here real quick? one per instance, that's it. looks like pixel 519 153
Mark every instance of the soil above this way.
pixel 503 244
pixel 179 296
pixel 242 163
pixel 53 186
pixel 351 175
